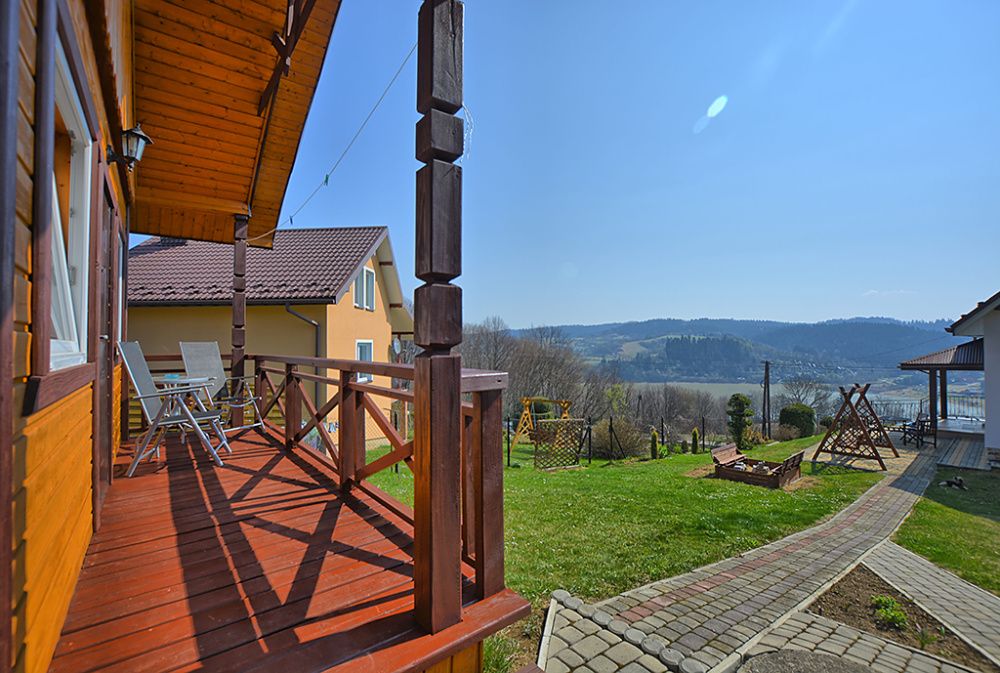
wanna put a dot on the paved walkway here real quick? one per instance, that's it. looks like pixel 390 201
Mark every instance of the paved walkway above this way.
pixel 806 631
pixel 707 618
pixel 972 613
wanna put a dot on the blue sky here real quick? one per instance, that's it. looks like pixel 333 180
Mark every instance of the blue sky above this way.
pixel 853 169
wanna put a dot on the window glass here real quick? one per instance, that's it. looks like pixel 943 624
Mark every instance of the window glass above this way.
pixel 369 289
pixel 70 225
pixel 364 351
pixel 359 291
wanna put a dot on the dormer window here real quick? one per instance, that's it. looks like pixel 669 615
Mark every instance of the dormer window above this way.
pixel 364 289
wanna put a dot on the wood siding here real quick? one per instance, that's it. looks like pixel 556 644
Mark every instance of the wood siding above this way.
pixel 52 448
pixel 469 660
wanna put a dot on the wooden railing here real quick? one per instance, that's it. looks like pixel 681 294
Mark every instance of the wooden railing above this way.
pixel 283 385
pixel 286 386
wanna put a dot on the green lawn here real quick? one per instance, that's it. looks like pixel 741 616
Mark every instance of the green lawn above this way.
pixel 600 530
pixel 959 530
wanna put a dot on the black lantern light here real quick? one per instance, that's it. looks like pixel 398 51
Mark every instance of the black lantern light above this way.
pixel 134 142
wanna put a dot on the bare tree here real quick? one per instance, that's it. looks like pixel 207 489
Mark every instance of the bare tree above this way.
pixel 810 392
pixel 488 345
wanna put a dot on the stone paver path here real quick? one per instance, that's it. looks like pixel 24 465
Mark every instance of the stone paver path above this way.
pixel 971 612
pixel 806 631
pixel 708 617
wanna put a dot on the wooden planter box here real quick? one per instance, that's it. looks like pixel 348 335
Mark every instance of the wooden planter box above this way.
pixel 778 475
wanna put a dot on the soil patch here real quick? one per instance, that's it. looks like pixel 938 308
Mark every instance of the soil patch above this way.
pixel 849 601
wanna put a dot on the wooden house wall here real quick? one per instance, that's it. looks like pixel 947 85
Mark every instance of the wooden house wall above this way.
pixel 52 448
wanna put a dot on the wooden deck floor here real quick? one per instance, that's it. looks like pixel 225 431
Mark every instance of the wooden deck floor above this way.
pixel 260 565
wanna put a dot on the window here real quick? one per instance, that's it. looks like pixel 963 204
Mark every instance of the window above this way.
pixel 70 226
pixel 364 351
pixel 364 289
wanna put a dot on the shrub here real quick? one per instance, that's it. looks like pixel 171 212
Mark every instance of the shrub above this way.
pixel 740 413
pixel 684 446
pixel 654 444
pixel 695 444
pixel 800 416
pixel 752 437
pixel 633 441
pixel 787 432
pixel 826 422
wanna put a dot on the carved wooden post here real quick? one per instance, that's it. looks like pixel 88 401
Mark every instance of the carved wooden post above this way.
pixel 240 223
pixel 438 319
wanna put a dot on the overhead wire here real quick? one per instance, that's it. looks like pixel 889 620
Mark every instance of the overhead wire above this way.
pixel 326 177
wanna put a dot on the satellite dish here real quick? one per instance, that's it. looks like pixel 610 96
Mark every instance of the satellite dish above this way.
pixel 397 347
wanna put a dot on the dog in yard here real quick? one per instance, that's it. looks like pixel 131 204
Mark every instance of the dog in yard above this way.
pixel 954 482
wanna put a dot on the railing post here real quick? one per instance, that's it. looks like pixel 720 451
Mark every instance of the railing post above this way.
pixel 437 575
pixel 487 457
pixel 258 384
pixel 293 407
pixel 347 430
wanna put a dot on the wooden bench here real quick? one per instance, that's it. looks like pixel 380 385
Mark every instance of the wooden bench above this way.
pixel 757 472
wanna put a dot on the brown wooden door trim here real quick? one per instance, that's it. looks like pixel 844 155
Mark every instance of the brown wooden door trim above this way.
pixel 104 248
pixel 9 36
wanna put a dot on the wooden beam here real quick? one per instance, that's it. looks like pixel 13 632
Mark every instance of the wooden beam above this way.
pixel 159 197
pixel 294 25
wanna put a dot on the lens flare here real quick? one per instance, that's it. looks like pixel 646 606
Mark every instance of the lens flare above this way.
pixel 717 106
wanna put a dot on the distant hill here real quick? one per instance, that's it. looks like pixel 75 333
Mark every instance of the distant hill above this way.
pixel 728 350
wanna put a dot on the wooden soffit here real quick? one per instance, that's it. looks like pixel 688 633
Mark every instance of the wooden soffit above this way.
pixel 201 69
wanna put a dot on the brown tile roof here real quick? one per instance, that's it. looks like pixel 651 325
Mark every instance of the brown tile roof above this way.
pixel 967 356
pixel 305 265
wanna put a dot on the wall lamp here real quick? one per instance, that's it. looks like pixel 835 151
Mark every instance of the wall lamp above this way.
pixel 134 142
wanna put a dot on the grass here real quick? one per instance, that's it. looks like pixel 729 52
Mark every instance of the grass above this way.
pixel 959 530
pixel 602 529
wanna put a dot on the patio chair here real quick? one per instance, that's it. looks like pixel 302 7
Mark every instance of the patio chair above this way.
pixel 202 358
pixel 166 408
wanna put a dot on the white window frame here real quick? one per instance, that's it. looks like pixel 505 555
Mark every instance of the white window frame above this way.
pixel 364 289
pixel 120 299
pixel 362 376
pixel 71 257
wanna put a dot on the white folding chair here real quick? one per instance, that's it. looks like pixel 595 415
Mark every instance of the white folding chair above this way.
pixel 203 359
pixel 166 408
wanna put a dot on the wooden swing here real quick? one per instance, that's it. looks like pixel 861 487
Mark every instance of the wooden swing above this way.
pixel 526 424
pixel 856 430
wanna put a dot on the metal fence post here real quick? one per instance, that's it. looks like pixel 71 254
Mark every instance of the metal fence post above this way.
pixel 508 440
pixel 590 443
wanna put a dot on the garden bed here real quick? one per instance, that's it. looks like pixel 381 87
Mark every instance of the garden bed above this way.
pixel 849 601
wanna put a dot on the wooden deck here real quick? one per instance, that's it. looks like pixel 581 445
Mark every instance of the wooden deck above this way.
pixel 260 565
pixel 967 452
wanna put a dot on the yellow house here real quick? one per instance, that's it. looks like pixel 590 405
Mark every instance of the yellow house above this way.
pixel 327 292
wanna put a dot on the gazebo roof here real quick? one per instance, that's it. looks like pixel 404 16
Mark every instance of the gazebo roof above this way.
pixel 967 357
